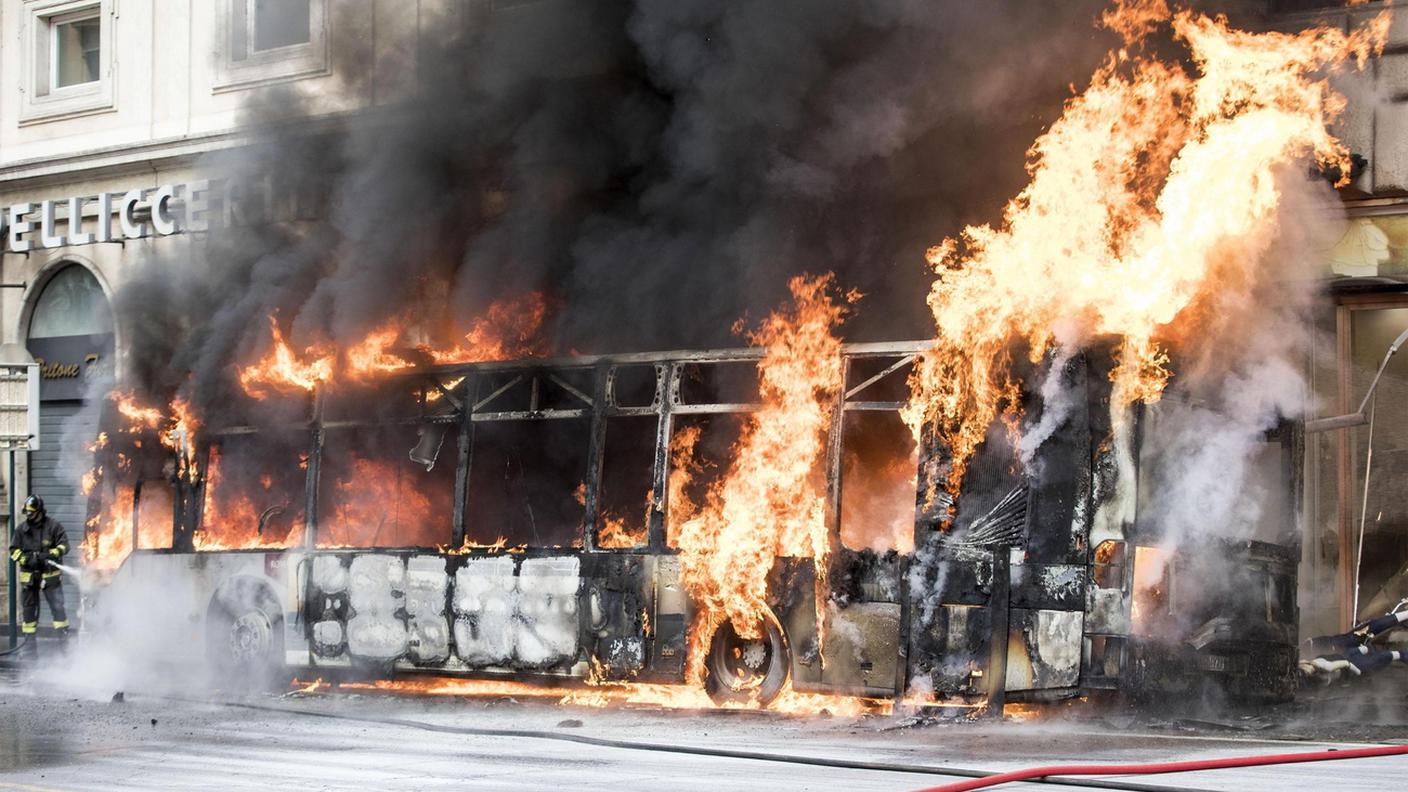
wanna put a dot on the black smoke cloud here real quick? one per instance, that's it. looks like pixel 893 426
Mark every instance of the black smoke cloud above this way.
pixel 659 168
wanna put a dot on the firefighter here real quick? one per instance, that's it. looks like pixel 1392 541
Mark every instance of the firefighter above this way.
pixel 40 543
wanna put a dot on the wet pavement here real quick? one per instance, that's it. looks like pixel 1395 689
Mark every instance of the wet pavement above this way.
pixel 66 732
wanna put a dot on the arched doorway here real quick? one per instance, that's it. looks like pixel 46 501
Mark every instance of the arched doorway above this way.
pixel 70 333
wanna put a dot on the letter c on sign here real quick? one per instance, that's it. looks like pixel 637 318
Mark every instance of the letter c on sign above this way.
pixel 162 219
pixel 127 215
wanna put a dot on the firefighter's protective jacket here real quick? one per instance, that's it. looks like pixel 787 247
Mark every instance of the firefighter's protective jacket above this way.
pixel 45 540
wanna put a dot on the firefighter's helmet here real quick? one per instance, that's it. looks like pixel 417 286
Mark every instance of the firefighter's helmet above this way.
pixel 34 507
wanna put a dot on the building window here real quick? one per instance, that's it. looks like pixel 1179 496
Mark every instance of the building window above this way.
pixel 68 64
pixel 280 23
pixel 76 48
pixel 267 41
pixel 72 303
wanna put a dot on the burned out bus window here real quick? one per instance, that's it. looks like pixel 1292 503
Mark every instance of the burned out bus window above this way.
pixel 627 471
pixel 879 477
pixel 519 393
pixel 634 386
pixel 372 494
pixel 526 483
pixel 254 492
pixel 376 399
pixel 879 456
pixel 699 454
pixel 156 503
pixel 879 379
pixel 730 382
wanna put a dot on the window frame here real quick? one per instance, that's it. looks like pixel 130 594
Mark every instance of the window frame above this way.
pixel 239 65
pixel 43 99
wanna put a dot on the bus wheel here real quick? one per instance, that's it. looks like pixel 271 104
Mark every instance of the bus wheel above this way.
pixel 747 669
pixel 244 633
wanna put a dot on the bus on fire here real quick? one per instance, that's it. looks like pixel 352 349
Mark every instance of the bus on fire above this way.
pixel 533 518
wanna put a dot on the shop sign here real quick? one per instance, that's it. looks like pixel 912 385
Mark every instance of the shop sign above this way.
pixel 141 213
pixel 66 363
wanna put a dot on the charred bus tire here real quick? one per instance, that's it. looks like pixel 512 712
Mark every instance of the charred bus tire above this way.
pixel 742 670
pixel 244 634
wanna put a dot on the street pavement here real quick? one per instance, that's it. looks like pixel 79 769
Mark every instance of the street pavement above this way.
pixel 62 734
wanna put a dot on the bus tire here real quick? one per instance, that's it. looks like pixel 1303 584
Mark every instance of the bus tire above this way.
pixel 244 634
pixel 738 670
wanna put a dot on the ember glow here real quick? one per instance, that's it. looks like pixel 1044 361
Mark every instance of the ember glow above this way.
pixel 770 502
pixel 613 694
pixel 1156 189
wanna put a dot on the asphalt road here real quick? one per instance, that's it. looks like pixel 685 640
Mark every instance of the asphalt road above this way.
pixel 71 735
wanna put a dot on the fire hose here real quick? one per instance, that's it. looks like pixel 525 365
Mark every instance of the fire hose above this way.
pixel 1045 773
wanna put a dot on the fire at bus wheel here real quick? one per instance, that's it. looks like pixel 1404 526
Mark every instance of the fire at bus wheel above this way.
pixel 244 633
pixel 742 669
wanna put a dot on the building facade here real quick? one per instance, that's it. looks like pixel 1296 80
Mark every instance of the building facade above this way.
pixel 108 108
pixel 1355 549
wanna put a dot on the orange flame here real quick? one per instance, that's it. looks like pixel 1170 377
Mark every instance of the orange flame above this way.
pixel 1155 189
pixel 615 693
pixel 230 518
pixel 375 504
pixel 770 502
pixel 510 328
pixel 283 369
pixel 373 356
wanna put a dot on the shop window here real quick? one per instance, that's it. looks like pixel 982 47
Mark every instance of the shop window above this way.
pixel 69 59
pixel 71 303
pixel 268 41
pixel 1382 508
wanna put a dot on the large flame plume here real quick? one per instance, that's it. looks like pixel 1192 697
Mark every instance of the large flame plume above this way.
pixel 1158 187
pixel 770 502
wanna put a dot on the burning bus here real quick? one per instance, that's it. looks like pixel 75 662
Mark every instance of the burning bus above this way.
pixel 1027 505
pixel 549 520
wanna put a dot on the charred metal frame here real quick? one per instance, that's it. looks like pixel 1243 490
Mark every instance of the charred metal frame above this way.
pixel 467 395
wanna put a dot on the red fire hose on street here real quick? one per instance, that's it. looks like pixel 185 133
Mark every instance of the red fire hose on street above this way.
pixel 1165 767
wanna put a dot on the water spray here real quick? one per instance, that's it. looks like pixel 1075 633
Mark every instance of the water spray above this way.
pixel 74 572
